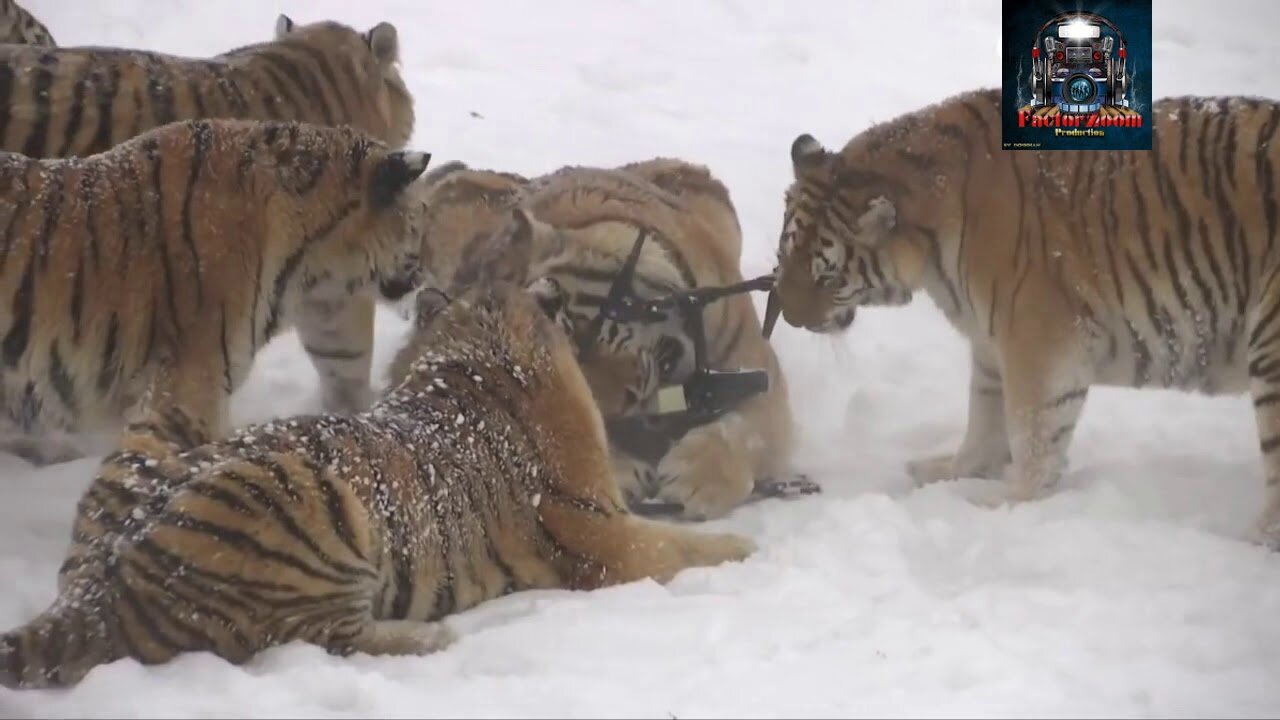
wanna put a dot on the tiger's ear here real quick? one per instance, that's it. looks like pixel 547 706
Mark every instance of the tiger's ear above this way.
pixel 429 303
pixel 394 173
pixel 384 43
pixel 807 154
pixel 284 25
pixel 879 220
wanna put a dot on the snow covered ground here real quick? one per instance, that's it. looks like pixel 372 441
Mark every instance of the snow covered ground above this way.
pixel 1132 592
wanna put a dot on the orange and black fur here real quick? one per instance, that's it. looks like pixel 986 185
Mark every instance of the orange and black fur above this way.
pixel 483 471
pixel 1155 268
pixel 77 101
pixel 170 259
pixel 583 222
pixel 19 27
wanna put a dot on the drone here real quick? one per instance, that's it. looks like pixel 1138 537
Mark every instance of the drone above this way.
pixel 707 394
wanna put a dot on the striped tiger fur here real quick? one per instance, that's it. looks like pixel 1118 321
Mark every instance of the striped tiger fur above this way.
pixel 77 101
pixel 483 471
pixel 19 27
pixel 584 221
pixel 1064 270
pixel 173 257
pixel 83 100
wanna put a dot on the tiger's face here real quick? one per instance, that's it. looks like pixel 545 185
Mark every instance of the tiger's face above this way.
pixel 370 59
pixel 346 195
pixel 837 248
pixel 625 363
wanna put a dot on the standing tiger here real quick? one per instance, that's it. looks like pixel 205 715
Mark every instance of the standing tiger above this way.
pixel 173 257
pixel 1155 268
pixel 19 27
pixel 583 222
pixel 79 101
pixel 483 471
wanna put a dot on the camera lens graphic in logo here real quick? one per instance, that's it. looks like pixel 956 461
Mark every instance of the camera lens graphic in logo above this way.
pixel 1080 89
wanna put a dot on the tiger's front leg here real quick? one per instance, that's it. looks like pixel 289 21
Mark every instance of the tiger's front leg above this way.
pixel 708 473
pixel 1046 383
pixel 716 467
pixel 337 333
pixel 985 452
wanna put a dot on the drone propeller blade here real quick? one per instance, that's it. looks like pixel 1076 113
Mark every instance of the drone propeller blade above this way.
pixel 621 285
pixel 772 309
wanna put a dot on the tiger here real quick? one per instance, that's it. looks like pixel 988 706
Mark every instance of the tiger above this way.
pixel 19 27
pixel 584 221
pixel 79 101
pixel 179 254
pixel 482 471
pixel 1137 269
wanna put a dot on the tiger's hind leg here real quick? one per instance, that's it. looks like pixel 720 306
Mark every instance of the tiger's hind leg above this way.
pixel 337 333
pixel 985 451
pixel 1264 386
pixel 399 637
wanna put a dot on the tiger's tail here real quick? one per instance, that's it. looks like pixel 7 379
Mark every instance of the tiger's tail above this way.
pixel 60 646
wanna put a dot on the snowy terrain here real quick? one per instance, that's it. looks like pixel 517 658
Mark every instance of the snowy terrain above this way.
pixel 1132 592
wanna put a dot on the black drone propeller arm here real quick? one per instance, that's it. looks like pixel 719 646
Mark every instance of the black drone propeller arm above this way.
pixel 708 394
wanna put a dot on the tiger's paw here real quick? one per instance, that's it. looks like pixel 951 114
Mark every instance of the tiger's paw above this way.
pixel 43 451
pixel 636 480
pixel 936 468
pixel 932 469
pixel 1009 494
pixel 404 637
pixel 714 549
pixel 706 475
pixel 1266 531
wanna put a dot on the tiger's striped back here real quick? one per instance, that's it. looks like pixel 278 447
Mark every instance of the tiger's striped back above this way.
pixel 483 471
pixel 19 27
pixel 61 102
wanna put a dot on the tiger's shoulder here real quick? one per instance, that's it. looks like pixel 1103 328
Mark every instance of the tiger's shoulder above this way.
pixel 19 27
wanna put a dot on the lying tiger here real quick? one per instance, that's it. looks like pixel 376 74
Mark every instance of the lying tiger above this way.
pixel 483 471
pixel 179 254
pixel 1155 268
pixel 580 224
